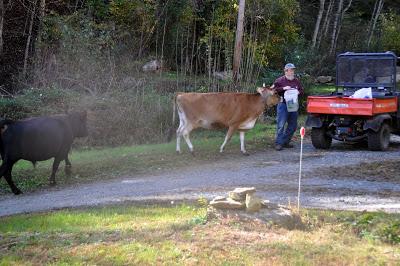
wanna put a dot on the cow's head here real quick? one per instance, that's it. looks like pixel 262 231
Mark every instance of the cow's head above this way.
pixel 270 96
pixel 78 123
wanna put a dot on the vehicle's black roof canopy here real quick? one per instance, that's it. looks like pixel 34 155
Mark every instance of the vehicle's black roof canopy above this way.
pixel 366 70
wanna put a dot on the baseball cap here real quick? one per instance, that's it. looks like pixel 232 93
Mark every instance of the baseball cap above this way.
pixel 289 66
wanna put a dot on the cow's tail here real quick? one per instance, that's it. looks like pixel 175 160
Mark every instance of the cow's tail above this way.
pixel 4 123
pixel 172 128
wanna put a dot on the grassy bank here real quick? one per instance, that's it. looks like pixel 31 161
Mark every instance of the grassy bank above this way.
pixel 107 163
pixel 180 235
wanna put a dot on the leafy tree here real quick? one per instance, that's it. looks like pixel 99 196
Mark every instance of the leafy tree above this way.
pixel 391 32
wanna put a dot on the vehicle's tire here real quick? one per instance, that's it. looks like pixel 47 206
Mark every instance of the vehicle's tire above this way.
pixel 379 141
pixel 320 139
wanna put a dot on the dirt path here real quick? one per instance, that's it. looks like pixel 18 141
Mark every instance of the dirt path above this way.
pixel 274 174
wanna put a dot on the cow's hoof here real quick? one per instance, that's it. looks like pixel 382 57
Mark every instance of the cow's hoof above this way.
pixel 245 153
pixel 68 171
pixel 17 192
pixel 193 154
pixel 178 152
pixel 53 183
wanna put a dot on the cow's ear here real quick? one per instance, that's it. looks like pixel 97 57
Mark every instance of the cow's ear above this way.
pixel 264 91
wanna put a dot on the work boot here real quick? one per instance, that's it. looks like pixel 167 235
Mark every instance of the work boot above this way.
pixel 288 145
pixel 278 147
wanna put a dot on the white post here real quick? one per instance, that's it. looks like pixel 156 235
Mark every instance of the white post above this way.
pixel 302 133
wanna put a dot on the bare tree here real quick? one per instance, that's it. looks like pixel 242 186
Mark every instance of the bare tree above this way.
pixel 327 21
pixel 28 40
pixel 318 23
pixel 238 41
pixel 42 9
pixel 2 13
pixel 374 18
pixel 338 24
pixel 335 26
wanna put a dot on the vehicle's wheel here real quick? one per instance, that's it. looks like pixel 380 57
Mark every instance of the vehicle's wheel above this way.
pixel 379 141
pixel 320 139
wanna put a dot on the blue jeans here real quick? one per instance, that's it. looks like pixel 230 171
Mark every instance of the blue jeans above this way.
pixel 283 136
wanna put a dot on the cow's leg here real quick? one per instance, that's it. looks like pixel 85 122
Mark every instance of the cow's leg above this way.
pixel 68 166
pixel 56 163
pixel 5 170
pixel 228 137
pixel 178 139
pixel 186 132
pixel 179 133
pixel 242 148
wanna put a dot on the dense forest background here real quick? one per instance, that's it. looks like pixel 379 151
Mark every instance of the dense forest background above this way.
pixel 57 55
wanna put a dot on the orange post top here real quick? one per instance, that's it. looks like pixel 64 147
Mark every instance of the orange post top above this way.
pixel 350 106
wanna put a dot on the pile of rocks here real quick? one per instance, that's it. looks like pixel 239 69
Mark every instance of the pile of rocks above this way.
pixel 242 203
pixel 239 198
pixel 324 79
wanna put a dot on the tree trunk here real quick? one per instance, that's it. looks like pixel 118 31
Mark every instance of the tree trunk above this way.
pixel 327 21
pixel 318 22
pixel 193 46
pixel 42 12
pixel 141 43
pixel 340 24
pixel 238 42
pixel 42 8
pixel 162 45
pixel 28 41
pixel 375 15
pixel 2 13
pixel 209 50
pixel 76 4
pixel 335 26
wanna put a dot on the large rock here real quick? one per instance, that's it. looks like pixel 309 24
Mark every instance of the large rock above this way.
pixel 152 66
pixel 253 203
pixel 227 204
pixel 219 198
pixel 324 79
pixel 280 216
pixel 269 205
pixel 240 193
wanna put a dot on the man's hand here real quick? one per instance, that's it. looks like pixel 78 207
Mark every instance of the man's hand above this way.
pixel 287 88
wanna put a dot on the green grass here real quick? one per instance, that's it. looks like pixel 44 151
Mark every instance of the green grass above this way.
pixel 178 235
pixel 320 90
pixel 106 163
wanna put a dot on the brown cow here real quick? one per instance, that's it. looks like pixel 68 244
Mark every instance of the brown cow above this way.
pixel 235 111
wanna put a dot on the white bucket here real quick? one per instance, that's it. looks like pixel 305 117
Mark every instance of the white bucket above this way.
pixel 292 100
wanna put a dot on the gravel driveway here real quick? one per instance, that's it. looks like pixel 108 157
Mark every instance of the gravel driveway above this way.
pixel 274 174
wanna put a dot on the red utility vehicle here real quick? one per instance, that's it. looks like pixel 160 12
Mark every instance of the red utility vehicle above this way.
pixel 370 118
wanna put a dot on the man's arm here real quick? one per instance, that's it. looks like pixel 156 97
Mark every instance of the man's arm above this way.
pixel 300 88
pixel 278 86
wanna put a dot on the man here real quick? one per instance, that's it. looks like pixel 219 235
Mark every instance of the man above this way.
pixel 281 85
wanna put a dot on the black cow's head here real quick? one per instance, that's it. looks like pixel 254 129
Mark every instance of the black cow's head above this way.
pixel 78 123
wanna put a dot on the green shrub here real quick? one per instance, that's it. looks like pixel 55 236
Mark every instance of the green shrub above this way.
pixel 377 226
pixel 390 232
pixel 35 102
pixel 133 116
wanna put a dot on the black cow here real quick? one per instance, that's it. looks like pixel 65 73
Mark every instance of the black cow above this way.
pixel 39 139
